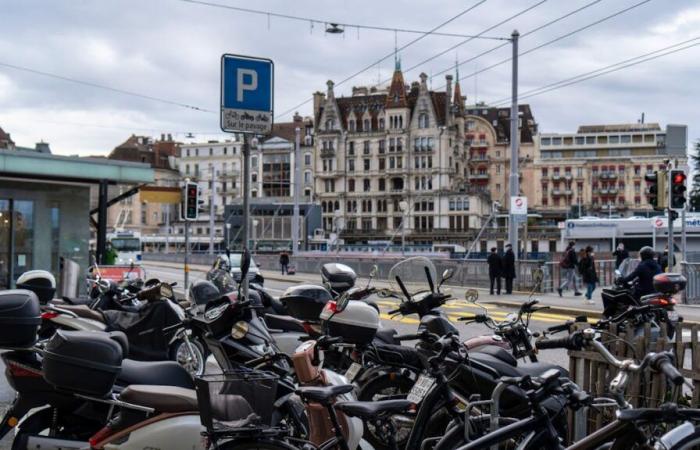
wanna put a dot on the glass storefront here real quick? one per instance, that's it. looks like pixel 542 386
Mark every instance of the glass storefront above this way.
pixel 16 239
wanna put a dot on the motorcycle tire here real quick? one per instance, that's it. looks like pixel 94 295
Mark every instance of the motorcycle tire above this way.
pixel 179 352
pixel 373 390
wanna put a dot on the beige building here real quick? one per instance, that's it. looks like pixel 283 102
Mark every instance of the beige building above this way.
pixel 132 213
pixel 601 168
pixel 389 164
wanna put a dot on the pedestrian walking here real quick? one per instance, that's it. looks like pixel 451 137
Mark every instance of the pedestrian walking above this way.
pixel 588 273
pixel 495 270
pixel 509 268
pixel 284 262
pixel 567 266
pixel 664 260
pixel 620 255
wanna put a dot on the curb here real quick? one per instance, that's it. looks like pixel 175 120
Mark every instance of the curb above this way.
pixel 591 313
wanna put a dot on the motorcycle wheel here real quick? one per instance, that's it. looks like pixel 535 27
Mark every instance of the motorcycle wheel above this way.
pixel 376 389
pixel 180 353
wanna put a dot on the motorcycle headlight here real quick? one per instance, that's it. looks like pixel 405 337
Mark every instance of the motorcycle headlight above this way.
pixel 239 330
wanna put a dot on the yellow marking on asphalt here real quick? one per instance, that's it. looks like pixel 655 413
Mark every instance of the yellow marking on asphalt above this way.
pixel 399 318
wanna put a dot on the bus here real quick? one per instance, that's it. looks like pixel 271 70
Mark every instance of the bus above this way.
pixel 128 247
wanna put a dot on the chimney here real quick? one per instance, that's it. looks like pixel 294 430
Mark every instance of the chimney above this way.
pixel 319 98
pixel 423 81
pixel 297 117
pixel 43 147
pixel 162 136
pixel 448 100
pixel 170 137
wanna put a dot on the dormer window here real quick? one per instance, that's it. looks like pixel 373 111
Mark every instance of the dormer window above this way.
pixel 422 120
pixel 351 125
pixel 329 124
pixel 365 125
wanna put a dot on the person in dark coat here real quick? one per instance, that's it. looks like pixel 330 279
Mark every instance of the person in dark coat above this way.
pixel 664 260
pixel 509 268
pixel 495 269
pixel 620 255
pixel 644 273
pixel 586 267
pixel 284 262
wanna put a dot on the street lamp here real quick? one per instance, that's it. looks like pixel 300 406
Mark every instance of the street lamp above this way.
pixel 403 206
pixel 336 227
pixel 228 234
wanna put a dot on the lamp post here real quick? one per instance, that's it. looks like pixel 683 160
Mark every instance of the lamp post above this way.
pixel 228 234
pixel 403 206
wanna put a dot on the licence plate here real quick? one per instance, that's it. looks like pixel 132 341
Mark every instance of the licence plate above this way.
pixel 420 389
pixel 352 372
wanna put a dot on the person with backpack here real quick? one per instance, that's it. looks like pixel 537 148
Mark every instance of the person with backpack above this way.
pixel 588 273
pixel 567 265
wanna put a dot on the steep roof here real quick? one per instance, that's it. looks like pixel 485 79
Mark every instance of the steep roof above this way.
pixel 458 101
pixel 499 118
pixel 397 91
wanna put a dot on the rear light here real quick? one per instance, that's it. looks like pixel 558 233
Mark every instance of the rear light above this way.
pixel 661 301
pixel 331 306
pixel 48 315
pixel 308 329
pixel 232 297
pixel 100 436
pixel 18 370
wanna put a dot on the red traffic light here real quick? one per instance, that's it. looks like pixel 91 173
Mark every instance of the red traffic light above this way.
pixel 678 178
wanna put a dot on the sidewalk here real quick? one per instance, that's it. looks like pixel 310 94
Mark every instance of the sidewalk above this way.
pixel 568 304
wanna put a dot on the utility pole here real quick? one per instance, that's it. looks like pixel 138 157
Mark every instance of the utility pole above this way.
pixel 669 211
pixel 514 138
pixel 212 209
pixel 187 256
pixel 246 206
pixel 297 193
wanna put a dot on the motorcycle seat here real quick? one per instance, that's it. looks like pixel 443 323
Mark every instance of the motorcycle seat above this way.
pixel 373 410
pixel 398 354
pixel 154 373
pixel 167 399
pixel 502 369
pixel 323 394
pixel 386 336
pixel 285 323
pixel 498 352
pixel 84 311
pixel 538 368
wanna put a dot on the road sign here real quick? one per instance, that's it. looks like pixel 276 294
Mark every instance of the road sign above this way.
pixel 518 206
pixel 659 222
pixel 247 96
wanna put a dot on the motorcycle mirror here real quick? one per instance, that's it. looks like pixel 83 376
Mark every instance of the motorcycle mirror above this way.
pixel 618 273
pixel 374 271
pixel 471 295
pixel 166 290
pixel 342 302
pixel 245 263
pixel 446 275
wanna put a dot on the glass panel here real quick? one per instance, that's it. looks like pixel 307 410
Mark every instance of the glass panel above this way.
pixel 55 239
pixel 4 244
pixel 23 216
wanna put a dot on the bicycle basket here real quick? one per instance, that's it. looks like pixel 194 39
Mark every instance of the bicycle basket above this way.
pixel 237 399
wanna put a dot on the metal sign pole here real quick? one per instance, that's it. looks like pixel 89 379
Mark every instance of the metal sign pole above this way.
pixel 683 236
pixel 514 180
pixel 246 206
pixel 187 256
pixel 297 191
pixel 669 212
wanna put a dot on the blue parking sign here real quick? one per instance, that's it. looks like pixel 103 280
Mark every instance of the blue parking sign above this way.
pixel 247 96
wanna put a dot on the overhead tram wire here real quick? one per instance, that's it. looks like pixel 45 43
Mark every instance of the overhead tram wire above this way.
pixel 606 70
pixel 332 22
pixel 557 39
pixel 105 87
pixel 393 53
pixel 437 55
pixel 527 33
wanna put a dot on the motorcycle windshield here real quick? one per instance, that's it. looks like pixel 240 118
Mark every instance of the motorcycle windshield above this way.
pixel 223 280
pixel 414 273
pixel 628 266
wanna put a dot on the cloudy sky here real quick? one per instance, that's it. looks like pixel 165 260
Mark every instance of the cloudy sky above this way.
pixel 170 50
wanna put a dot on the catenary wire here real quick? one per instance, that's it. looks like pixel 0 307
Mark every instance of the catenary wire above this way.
pixel 396 50
pixel 609 69
pixel 105 87
pixel 333 22
pixel 557 39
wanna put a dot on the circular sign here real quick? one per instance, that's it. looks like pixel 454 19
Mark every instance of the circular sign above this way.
pixel 519 202
pixel 659 223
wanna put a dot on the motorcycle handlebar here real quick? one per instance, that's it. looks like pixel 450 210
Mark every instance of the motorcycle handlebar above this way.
pixel 480 318
pixel 558 328
pixel 572 342
pixel 394 311
pixel 662 362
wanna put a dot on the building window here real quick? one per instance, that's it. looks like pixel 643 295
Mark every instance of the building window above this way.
pixel 365 148
pixel 366 164
pixel 365 125
pixel 382 164
pixel 399 144
pixel 366 185
pixel 307 159
pixel 382 146
pixel 382 184
pixel 381 124
pixel 351 148
pixel 423 120
pixel 351 185
pixel 351 165
pixel 351 125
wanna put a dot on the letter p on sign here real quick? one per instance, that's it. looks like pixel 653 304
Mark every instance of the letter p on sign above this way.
pixel 241 85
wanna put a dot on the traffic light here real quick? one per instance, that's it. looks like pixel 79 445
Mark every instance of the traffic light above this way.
pixel 656 190
pixel 678 189
pixel 190 204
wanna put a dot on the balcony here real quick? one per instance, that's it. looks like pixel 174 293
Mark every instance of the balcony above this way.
pixel 608 176
pixel 613 191
pixel 480 158
pixel 557 177
pixel 568 177
pixel 479 176
pixel 327 153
